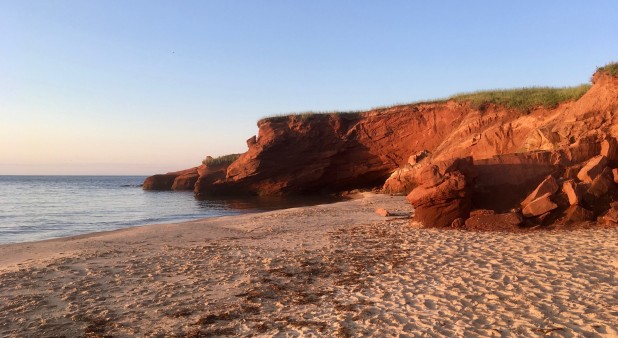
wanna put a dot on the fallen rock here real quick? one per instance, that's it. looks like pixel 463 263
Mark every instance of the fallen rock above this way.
pixel 457 223
pixel 504 181
pixel 592 169
pixel 547 186
pixel 609 149
pixel 602 184
pixel 570 173
pixel 427 173
pixel 438 206
pixel 611 216
pixel 576 213
pixel 489 221
pixel 573 192
pixel 583 149
pixel 539 206
pixel 383 212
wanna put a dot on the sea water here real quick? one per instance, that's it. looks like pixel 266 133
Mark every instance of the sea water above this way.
pixel 44 207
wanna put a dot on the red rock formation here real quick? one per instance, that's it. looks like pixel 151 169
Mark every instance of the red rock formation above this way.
pixel 208 175
pixel 440 204
pixel 512 150
pixel 167 181
pixel 445 193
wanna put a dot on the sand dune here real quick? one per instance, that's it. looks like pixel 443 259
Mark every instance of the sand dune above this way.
pixel 326 270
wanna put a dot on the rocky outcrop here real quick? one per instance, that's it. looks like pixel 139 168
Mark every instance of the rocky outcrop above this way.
pixel 190 179
pixel 445 194
pixel 335 152
pixel 178 180
pixel 566 153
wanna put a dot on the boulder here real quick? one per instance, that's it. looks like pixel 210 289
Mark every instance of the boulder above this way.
pixel 572 191
pixel 592 169
pixel 576 213
pixel 457 223
pixel 430 176
pixel 570 173
pixel 493 221
pixel 439 205
pixel 611 216
pixel 424 172
pixel 615 175
pixel 602 184
pixel 547 186
pixel 383 212
pixel 609 149
pixel 539 206
pixel 583 149
pixel 402 180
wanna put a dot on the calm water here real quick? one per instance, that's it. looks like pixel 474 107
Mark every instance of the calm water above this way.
pixel 42 207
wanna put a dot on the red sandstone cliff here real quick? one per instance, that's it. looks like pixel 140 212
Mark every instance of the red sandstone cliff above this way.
pixel 335 152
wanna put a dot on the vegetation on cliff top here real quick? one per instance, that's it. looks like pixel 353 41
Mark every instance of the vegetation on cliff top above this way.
pixel 610 68
pixel 307 116
pixel 221 160
pixel 524 99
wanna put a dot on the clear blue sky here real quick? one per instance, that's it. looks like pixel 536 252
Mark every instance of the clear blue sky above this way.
pixel 138 87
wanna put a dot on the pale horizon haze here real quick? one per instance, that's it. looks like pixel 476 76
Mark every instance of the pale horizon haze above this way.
pixel 145 87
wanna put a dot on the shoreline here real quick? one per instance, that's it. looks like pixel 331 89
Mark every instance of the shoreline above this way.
pixel 333 269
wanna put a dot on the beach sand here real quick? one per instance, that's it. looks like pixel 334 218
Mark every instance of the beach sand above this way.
pixel 327 270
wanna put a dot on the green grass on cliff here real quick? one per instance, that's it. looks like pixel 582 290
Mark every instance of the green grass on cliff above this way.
pixel 610 68
pixel 221 160
pixel 307 116
pixel 524 99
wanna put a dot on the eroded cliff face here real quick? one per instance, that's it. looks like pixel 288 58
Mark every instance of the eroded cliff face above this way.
pixel 327 153
pixel 571 133
pixel 336 152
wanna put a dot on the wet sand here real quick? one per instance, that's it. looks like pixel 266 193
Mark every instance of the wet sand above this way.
pixel 327 270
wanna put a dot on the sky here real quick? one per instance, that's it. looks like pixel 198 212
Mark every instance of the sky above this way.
pixel 141 87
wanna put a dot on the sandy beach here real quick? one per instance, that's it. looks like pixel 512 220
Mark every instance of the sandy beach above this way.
pixel 327 270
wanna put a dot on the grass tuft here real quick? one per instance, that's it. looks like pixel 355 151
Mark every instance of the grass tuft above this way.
pixel 308 116
pixel 610 68
pixel 221 160
pixel 524 99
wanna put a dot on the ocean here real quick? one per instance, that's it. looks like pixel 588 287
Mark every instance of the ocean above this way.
pixel 43 207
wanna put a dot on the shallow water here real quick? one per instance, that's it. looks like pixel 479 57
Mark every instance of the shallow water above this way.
pixel 43 207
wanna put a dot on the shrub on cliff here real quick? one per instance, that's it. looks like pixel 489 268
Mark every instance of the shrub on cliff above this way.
pixel 610 68
pixel 221 160
pixel 524 99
